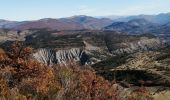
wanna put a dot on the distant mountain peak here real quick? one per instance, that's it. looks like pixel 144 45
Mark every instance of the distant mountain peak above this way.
pixel 79 16
pixel 47 19
pixel 139 22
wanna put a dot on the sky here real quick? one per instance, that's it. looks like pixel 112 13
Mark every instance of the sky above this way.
pixel 20 10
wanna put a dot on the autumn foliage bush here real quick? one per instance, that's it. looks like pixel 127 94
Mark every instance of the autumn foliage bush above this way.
pixel 22 78
pixel 81 83
pixel 140 94
pixel 23 73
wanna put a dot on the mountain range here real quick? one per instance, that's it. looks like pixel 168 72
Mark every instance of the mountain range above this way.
pixel 70 23
pixel 161 18
pixel 138 23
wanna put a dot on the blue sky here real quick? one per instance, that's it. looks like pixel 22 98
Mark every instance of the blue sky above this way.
pixel 36 9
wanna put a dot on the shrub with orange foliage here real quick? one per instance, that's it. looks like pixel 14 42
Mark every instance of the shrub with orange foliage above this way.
pixel 140 93
pixel 81 83
pixel 4 89
pixel 24 72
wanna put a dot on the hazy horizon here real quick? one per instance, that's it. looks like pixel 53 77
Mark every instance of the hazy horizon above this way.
pixel 19 10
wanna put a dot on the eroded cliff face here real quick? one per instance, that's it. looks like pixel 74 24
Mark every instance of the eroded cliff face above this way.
pixel 49 56
pixel 143 44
